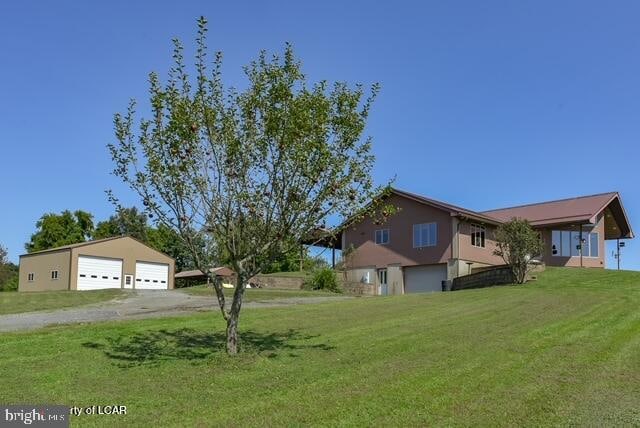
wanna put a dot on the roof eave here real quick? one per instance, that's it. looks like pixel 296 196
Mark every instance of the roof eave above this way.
pixel 481 219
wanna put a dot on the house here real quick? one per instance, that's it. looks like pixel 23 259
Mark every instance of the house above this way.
pixel 118 262
pixel 430 241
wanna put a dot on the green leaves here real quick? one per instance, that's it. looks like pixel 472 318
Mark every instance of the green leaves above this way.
pixel 56 230
pixel 517 242
pixel 248 172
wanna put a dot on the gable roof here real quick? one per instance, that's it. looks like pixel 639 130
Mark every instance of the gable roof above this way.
pixel 87 243
pixel 454 210
pixel 76 245
pixel 582 208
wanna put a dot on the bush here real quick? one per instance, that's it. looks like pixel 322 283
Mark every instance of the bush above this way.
pixel 8 273
pixel 10 285
pixel 323 279
pixel 517 242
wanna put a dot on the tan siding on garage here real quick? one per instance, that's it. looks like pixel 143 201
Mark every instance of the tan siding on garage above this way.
pixel 65 261
pixel 41 266
pixel 127 249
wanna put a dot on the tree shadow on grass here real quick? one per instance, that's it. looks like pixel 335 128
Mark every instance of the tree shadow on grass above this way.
pixel 151 347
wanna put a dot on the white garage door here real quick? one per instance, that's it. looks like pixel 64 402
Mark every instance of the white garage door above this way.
pixel 152 276
pixel 422 279
pixel 95 273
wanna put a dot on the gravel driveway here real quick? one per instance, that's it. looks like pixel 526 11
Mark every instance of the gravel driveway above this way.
pixel 137 305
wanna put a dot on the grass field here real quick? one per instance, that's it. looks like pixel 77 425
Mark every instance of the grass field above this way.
pixel 562 351
pixel 12 302
pixel 257 294
pixel 296 274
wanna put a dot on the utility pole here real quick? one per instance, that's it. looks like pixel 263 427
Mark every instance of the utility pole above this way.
pixel 618 246
pixel 581 245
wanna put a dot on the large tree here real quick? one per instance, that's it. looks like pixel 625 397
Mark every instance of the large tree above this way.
pixel 126 221
pixel 246 174
pixel 168 241
pixel 55 230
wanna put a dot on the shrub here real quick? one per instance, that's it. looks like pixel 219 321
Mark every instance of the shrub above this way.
pixel 517 242
pixel 323 279
pixel 10 285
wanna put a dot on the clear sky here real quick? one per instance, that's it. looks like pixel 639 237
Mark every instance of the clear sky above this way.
pixel 483 104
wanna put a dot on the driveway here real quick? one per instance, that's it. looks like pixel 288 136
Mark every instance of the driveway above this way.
pixel 137 305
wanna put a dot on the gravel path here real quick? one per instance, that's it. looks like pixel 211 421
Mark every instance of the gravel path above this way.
pixel 139 304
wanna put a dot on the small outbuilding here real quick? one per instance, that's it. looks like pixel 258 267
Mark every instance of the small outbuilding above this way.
pixel 118 262
pixel 193 277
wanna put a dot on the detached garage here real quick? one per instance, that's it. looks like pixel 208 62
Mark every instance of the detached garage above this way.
pixel 119 262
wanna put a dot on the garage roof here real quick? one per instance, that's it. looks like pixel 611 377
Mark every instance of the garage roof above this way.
pixel 70 246
pixel 87 243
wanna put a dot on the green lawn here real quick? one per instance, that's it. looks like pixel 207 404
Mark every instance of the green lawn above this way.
pixel 12 302
pixel 562 351
pixel 257 294
pixel 296 274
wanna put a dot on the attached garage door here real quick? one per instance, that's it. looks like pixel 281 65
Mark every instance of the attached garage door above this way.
pixel 152 276
pixel 96 273
pixel 422 279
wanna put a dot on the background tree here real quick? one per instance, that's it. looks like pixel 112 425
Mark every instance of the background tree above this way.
pixel 246 173
pixel 55 230
pixel 126 221
pixel 517 243
pixel 168 241
pixel 8 272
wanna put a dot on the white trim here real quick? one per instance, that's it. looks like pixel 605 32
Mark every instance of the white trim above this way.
pixel 478 228
pixel 422 244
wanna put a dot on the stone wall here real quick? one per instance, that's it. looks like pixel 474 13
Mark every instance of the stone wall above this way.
pixel 497 275
pixel 272 281
pixel 357 288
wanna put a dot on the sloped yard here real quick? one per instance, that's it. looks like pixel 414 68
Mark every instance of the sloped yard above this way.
pixel 562 351
pixel 13 302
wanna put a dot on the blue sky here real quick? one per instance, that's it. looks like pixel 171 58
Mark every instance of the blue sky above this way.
pixel 483 104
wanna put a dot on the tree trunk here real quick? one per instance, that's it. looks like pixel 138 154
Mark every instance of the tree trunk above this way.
pixel 232 334
pixel 234 315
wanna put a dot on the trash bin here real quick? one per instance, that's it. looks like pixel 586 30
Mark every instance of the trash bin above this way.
pixel 446 285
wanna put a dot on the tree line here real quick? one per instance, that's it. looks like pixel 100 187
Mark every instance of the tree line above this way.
pixel 56 230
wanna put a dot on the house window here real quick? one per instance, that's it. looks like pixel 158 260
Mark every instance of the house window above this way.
pixel 425 235
pixel 478 233
pixel 382 236
pixel 31 277
pixel 565 243
pixel 54 274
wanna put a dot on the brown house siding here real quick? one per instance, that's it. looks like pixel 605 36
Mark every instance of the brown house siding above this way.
pixel 400 249
pixel 363 256
pixel 41 266
pixel 476 254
